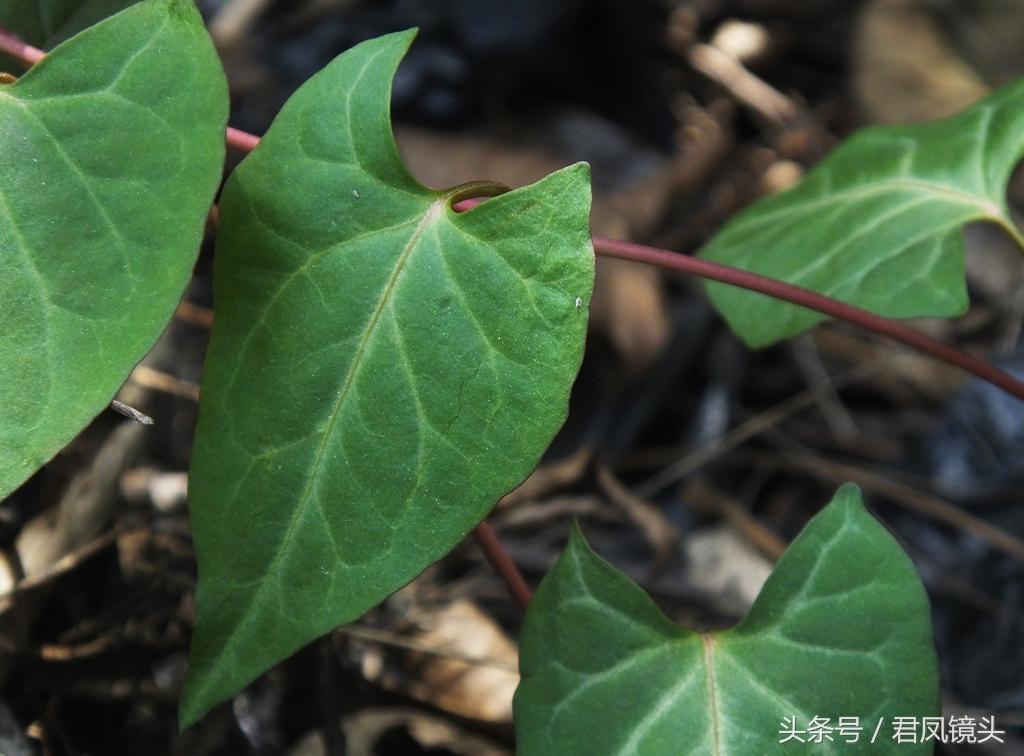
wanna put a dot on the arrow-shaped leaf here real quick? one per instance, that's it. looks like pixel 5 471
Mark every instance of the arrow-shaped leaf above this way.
pixel 112 150
pixel 382 370
pixel 841 629
pixel 879 223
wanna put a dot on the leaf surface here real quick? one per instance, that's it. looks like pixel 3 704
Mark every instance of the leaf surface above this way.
pixel 878 223
pixel 382 370
pixel 112 151
pixel 840 629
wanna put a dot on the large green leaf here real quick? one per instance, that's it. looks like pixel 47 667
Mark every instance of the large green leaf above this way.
pixel 879 222
pixel 382 370
pixel 112 150
pixel 45 23
pixel 840 629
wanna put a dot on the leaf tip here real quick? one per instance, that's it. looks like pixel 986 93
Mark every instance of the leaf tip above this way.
pixel 576 537
pixel 196 699
pixel 849 496
pixel 189 711
pixel 847 505
pixel 581 168
pixel 576 175
pixel 203 690
pixel 402 38
pixel 578 550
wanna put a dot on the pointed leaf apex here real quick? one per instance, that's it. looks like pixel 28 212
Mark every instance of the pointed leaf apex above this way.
pixel 849 497
pixel 577 541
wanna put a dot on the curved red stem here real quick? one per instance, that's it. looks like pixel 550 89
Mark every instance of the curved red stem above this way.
pixel 12 45
pixel 812 300
pixel 483 533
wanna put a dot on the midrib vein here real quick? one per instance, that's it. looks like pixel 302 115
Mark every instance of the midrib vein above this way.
pixel 709 663
pixel 371 326
pixel 357 359
pixel 881 187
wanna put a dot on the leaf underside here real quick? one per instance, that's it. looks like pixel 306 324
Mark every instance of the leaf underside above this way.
pixel 879 223
pixel 840 629
pixel 382 370
pixel 112 151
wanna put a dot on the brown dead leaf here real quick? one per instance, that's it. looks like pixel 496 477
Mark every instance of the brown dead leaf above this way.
pixel 906 69
pixel 629 304
pixel 469 689
pixel 366 729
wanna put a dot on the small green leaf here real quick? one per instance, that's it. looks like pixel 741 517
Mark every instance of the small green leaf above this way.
pixel 382 370
pixel 840 629
pixel 879 223
pixel 45 23
pixel 112 151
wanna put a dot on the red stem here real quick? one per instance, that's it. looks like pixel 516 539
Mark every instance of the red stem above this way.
pixel 744 279
pixel 502 563
pixel 812 300
pixel 797 295
pixel 241 140
pixel 18 48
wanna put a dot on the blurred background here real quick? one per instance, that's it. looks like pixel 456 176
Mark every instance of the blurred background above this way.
pixel 689 461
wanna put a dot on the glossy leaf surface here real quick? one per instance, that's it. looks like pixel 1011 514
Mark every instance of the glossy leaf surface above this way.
pixel 382 370
pixel 879 223
pixel 841 629
pixel 112 148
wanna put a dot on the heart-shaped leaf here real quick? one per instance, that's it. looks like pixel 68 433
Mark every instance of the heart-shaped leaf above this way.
pixel 841 629
pixel 879 223
pixel 112 151
pixel 382 370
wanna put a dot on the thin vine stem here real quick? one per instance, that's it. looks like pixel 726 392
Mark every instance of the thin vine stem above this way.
pixel 777 289
pixel 17 48
pixel 241 140
pixel 812 300
pixel 503 564
pixel 744 279
pixel 483 533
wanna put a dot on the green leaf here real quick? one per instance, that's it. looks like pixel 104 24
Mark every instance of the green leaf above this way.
pixel 878 223
pixel 45 23
pixel 112 151
pixel 382 370
pixel 840 629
